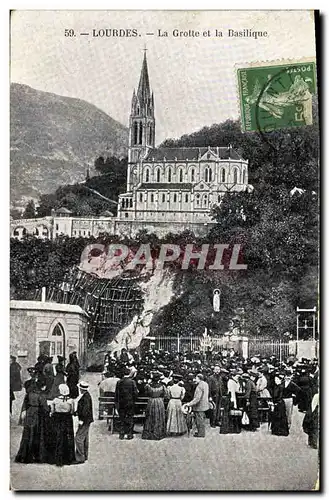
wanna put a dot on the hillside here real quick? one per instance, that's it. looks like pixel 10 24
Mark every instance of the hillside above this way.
pixel 54 139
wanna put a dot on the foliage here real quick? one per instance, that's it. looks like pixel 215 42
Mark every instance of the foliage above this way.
pixel 79 198
pixel 30 211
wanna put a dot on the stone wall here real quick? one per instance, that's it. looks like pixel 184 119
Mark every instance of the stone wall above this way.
pixel 76 227
pixel 161 229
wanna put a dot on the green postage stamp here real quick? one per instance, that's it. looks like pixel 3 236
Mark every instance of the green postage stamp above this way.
pixel 278 96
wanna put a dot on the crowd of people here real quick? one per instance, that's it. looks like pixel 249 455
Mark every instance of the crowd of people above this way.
pixel 222 386
pixel 182 389
pixel 53 396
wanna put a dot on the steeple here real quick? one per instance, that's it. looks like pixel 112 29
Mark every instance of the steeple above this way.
pixel 144 93
pixel 142 122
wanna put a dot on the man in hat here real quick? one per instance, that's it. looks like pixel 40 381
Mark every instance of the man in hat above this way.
pixel 290 390
pixel 189 385
pixel 125 396
pixel 60 361
pixel 41 361
pixel 15 375
pixel 200 404
pixel 216 387
pixel 48 373
pixel 249 398
pixel 28 384
pixel 85 416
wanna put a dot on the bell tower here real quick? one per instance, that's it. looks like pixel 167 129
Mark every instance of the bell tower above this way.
pixel 141 121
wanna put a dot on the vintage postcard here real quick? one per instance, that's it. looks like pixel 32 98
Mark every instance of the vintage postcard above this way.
pixel 164 251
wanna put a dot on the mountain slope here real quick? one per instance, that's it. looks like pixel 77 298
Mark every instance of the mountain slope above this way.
pixel 54 139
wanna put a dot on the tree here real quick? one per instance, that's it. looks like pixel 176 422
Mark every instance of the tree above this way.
pixel 99 163
pixel 15 213
pixel 29 212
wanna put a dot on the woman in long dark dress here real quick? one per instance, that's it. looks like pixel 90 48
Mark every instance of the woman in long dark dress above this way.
pixel 278 415
pixel 34 445
pixel 250 402
pixel 62 409
pixel 311 422
pixel 155 415
pixel 305 395
pixel 72 372
pixel 58 380
pixel 231 419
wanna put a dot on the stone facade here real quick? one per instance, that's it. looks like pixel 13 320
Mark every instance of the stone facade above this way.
pixel 46 327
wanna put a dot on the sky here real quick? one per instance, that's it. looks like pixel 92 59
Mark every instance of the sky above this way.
pixel 193 78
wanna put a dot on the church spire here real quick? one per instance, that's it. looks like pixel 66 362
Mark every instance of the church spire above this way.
pixel 142 121
pixel 144 92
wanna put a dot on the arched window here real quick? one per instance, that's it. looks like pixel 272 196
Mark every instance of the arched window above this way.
pixel 205 200
pixel 140 133
pixel 57 331
pixel 163 198
pixel 186 198
pixel 36 232
pixel 192 175
pixel 243 177
pixel 208 174
pixel 198 199
pixel 140 197
pixel 131 202
pixel 169 174
pixel 135 132
pixel 235 176
pixel 147 175
pixel 57 340
pixel 181 175
pixel 152 197
pixel 24 232
pixel 158 175
pixel 208 156
pixel 175 198
pixel 150 136
pixel 223 175
pixel 138 110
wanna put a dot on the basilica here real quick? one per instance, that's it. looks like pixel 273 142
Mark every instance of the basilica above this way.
pixel 173 185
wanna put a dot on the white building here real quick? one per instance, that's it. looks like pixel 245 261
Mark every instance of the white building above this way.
pixel 173 184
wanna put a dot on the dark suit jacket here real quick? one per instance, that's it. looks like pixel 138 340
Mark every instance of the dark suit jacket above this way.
pixel 126 392
pixel 85 409
pixel 291 389
pixel 216 386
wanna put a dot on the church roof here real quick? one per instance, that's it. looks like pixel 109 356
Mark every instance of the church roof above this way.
pixel 181 186
pixel 191 154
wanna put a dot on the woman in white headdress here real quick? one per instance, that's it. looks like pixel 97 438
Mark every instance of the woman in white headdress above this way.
pixel 62 409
